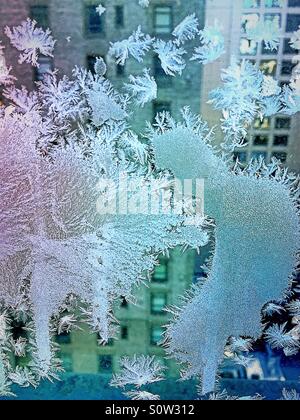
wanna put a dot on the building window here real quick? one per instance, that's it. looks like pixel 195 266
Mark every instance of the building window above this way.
pixel 160 274
pixel 94 22
pixel 281 140
pixel 260 140
pixel 109 342
pixel 248 47
pixel 262 124
pixel 67 361
pixel 282 123
pixel 287 67
pixel 163 19
pixel 158 303
pixel 293 23
pixel 268 67
pixel 124 303
pixel 266 51
pixel 259 155
pixel 90 63
pixel 45 67
pixel 63 338
pixel 119 16
pixel 161 107
pixel 41 15
pixel 105 363
pixel 156 335
pixel 124 333
pixel 274 18
pixel 294 3
pixel 287 49
pixel 240 156
pixel 280 156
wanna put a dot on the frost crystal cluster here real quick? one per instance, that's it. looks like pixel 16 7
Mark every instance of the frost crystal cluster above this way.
pixel 64 148
pixel 31 41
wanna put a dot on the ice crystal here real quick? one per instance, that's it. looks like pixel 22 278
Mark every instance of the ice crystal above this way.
pixel 142 395
pixel 213 44
pixel 100 67
pixel 138 371
pixel 294 308
pixel 136 45
pixel 19 347
pixel 291 395
pixel 231 200
pixel 31 41
pixel 270 86
pixel 272 308
pixel 273 3
pixel 238 99
pixel 187 29
pixel 23 377
pixel 267 30
pixel 143 88
pixel 279 338
pixel 295 40
pixel 170 56
pixel 240 345
pixel 144 3
pixel 52 234
pixel 291 100
pixel 100 9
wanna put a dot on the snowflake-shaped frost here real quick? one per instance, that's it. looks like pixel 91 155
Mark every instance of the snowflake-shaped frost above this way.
pixel 136 45
pixel 187 29
pixel 31 41
pixel 143 88
pixel 138 371
pixel 170 56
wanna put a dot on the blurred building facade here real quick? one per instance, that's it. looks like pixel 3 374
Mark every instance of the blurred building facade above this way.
pixel 277 136
pixel 82 35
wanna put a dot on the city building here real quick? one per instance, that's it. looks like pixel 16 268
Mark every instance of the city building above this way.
pixel 277 136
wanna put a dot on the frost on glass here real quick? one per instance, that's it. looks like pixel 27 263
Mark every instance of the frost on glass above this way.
pixel 137 45
pixel 31 41
pixel 248 208
pixel 212 44
pixel 63 260
pixel 143 88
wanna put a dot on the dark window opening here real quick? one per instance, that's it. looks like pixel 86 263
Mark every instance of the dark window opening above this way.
pixel 260 140
pixel 281 140
pixel 282 123
pixel 63 338
pixel 119 16
pixel 105 364
pixel 94 22
pixel 124 333
pixel 41 15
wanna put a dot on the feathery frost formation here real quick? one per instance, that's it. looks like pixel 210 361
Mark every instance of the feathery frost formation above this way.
pixel 64 148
